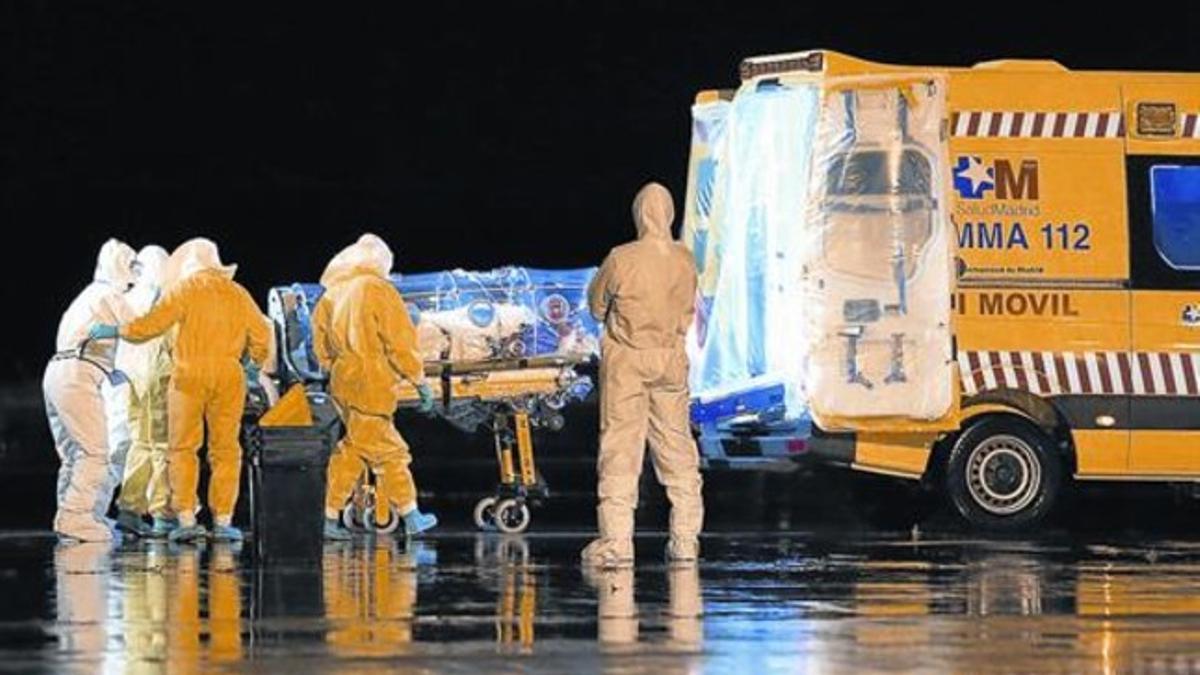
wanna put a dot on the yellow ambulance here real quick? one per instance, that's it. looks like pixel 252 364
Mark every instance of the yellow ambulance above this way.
pixel 988 278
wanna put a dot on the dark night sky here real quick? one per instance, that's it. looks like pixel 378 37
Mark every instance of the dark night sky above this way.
pixel 515 134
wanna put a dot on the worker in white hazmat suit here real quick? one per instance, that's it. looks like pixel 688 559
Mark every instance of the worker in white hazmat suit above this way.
pixel 645 293
pixel 144 487
pixel 77 381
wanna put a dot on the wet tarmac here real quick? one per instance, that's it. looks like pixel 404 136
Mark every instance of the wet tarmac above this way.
pixel 797 576
pixel 465 602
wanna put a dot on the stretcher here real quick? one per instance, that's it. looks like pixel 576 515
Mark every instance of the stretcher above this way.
pixel 502 351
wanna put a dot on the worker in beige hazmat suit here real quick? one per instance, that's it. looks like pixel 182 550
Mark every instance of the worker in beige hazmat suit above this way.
pixel 645 295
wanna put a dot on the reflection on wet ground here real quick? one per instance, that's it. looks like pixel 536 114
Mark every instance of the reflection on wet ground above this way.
pixel 485 603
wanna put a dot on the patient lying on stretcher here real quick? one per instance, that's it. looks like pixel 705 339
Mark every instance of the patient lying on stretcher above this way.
pixel 500 331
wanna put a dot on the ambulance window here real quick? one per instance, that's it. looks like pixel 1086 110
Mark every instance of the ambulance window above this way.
pixel 1175 209
pixel 870 173
pixel 867 231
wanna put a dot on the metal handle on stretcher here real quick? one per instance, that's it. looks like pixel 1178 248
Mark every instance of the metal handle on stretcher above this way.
pixel 466 367
pixel 445 369
pixel 306 376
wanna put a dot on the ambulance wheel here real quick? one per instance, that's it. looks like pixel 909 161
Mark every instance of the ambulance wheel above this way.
pixel 393 523
pixel 1003 474
pixel 512 516
pixel 485 514
pixel 352 519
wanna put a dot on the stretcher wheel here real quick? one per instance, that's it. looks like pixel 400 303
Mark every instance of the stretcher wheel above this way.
pixel 352 518
pixel 555 422
pixel 485 513
pixel 512 516
pixel 389 527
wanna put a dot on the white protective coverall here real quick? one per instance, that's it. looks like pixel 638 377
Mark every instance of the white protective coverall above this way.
pixel 76 390
pixel 645 295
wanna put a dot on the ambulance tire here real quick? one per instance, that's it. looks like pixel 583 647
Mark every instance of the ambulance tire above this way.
pixel 1003 474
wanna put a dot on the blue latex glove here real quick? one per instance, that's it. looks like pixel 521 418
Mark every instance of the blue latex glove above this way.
pixel 104 331
pixel 426 398
pixel 252 371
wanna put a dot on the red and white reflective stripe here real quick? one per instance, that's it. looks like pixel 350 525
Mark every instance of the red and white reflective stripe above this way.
pixel 1191 125
pixel 1031 124
pixel 1066 373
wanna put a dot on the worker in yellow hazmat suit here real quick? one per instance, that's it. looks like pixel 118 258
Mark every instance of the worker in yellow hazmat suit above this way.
pixel 363 336
pixel 144 489
pixel 645 293
pixel 219 324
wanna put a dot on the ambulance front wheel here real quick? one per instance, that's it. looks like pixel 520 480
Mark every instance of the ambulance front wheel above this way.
pixel 1003 474
pixel 485 513
pixel 512 516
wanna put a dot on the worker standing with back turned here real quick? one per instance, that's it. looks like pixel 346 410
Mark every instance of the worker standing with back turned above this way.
pixel 645 294
pixel 364 338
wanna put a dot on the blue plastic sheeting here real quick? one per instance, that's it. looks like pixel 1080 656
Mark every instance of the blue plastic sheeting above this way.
pixel 1176 206
pixel 551 306
pixel 751 193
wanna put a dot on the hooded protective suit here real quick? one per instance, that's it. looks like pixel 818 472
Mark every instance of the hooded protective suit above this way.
pixel 76 390
pixel 644 293
pixel 218 323
pixel 144 489
pixel 364 337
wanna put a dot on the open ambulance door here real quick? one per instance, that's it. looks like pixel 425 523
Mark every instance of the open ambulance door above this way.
pixel 879 269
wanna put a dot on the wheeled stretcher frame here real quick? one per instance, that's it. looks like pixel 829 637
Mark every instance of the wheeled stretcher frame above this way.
pixel 512 397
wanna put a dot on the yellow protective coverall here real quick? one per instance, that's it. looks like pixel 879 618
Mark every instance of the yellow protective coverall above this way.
pixel 645 294
pixel 363 336
pixel 144 488
pixel 218 323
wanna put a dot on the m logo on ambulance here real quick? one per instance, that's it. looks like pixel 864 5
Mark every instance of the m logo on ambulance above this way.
pixel 974 179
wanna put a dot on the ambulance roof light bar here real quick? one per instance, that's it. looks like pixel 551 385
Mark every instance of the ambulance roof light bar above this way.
pixel 811 62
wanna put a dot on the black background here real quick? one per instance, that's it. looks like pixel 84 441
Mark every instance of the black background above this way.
pixel 467 134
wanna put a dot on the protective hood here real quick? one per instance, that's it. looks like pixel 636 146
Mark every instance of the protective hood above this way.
pixel 114 265
pixel 151 267
pixel 196 255
pixel 653 212
pixel 369 254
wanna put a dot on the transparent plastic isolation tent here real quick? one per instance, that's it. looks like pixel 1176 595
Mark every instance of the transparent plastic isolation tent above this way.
pixel 817 217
